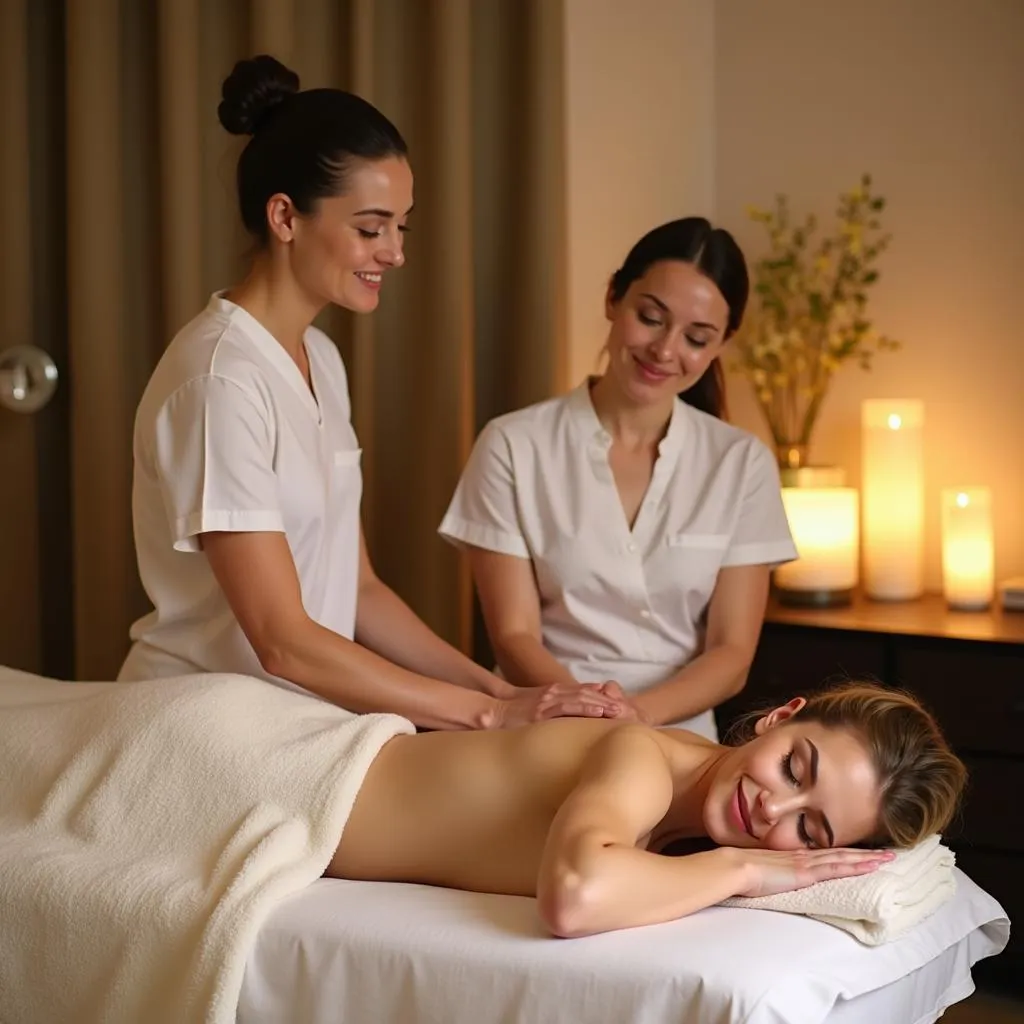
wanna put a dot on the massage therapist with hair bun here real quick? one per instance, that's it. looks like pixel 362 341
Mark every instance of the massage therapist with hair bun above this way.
pixel 623 534
pixel 247 479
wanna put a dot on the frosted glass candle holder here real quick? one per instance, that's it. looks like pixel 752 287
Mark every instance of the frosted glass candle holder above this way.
pixel 824 524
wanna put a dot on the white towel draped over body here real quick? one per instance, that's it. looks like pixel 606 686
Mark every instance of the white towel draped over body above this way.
pixel 877 907
pixel 146 829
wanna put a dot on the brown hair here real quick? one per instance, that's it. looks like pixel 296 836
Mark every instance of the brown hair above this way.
pixel 921 778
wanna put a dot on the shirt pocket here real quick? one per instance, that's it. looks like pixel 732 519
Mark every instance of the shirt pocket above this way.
pixel 348 458
pixel 345 483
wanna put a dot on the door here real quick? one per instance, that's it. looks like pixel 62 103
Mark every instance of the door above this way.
pixel 35 521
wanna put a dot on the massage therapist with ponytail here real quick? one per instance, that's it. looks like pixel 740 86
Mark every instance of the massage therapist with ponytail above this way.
pixel 623 534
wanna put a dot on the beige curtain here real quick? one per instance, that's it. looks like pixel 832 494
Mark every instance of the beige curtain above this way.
pixel 471 326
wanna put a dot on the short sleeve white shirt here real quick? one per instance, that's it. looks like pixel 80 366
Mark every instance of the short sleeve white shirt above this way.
pixel 229 437
pixel 620 603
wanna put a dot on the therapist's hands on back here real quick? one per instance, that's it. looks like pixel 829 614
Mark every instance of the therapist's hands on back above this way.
pixel 558 700
pixel 629 709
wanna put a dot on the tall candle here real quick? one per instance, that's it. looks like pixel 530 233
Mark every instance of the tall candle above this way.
pixel 967 554
pixel 892 484
pixel 823 521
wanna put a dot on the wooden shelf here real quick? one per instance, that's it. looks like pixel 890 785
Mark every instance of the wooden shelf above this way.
pixel 928 617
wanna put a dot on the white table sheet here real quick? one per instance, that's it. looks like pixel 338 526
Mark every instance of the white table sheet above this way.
pixel 381 953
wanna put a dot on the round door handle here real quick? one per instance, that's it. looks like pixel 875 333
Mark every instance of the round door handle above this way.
pixel 28 378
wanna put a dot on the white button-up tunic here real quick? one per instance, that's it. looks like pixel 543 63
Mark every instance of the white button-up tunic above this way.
pixel 229 437
pixel 620 603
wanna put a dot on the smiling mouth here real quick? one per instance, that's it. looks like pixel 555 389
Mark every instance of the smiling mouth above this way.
pixel 373 280
pixel 651 372
pixel 744 810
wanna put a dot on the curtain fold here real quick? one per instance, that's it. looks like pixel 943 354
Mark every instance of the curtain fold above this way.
pixel 102 395
pixel 470 327
pixel 19 539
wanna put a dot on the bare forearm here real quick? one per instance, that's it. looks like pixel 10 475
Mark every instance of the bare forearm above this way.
pixel 525 661
pixel 387 625
pixel 711 678
pixel 612 887
pixel 348 674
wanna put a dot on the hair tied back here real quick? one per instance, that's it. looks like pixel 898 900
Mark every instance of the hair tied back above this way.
pixel 253 91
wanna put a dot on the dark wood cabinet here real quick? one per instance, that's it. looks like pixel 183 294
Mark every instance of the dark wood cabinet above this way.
pixel 968 668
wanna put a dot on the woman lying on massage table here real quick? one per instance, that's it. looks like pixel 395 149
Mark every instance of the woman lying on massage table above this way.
pixel 570 810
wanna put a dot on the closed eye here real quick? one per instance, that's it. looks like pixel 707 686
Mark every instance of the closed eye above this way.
pixel 787 769
pixel 648 320
pixel 697 342
pixel 801 831
pixel 404 228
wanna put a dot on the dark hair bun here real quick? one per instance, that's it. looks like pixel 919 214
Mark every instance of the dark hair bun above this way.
pixel 253 90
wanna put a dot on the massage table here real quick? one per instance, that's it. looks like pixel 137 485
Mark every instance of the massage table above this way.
pixel 384 953
pixel 216 889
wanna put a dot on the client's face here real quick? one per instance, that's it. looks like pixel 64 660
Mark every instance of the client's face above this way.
pixel 796 785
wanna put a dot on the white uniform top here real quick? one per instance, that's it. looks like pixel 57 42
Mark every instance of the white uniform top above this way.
pixel 229 437
pixel 617 603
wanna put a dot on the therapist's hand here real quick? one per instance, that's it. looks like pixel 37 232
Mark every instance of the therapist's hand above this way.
pixel 629 710
pixel 559 700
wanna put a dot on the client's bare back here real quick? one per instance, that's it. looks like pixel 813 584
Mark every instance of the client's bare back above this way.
pixel 469 810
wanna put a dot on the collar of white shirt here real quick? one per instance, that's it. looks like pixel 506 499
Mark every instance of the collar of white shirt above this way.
pixel 272 350
pixel 592 431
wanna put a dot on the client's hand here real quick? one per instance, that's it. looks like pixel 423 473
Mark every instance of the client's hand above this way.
pixel 775 871
pixel 558 700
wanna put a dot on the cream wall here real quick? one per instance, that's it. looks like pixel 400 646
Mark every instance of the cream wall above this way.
pixel 639 95
pixel 927 95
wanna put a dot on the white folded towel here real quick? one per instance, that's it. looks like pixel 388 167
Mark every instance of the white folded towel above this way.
pixel 877 907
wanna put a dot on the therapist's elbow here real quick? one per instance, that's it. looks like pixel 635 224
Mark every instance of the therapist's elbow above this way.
pixel 278 651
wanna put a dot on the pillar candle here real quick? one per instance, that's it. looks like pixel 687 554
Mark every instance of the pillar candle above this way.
pixel 967 555
pixel 823 521
pixel 892 484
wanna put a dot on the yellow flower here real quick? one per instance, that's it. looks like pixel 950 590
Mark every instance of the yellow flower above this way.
pixel 821 264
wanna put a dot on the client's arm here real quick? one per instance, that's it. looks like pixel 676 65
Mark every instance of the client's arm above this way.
pixel 593 878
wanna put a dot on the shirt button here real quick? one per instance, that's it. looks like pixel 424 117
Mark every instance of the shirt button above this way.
pixel 644 613
pixel 631 546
